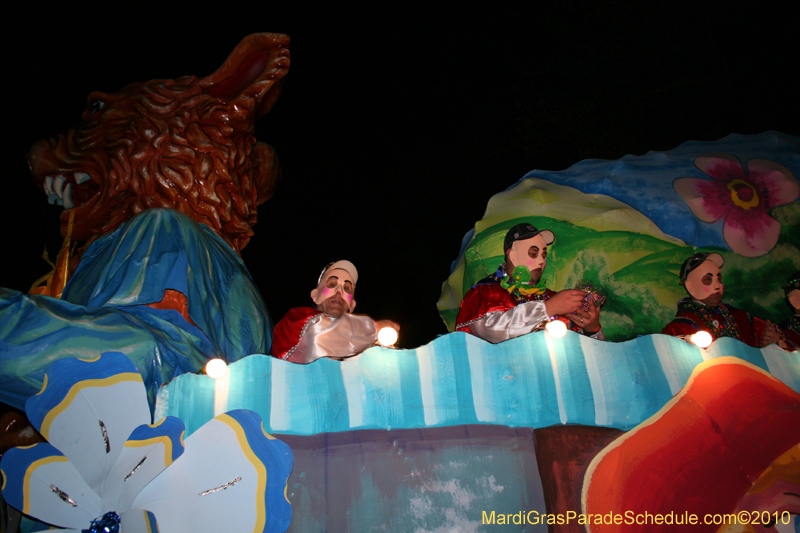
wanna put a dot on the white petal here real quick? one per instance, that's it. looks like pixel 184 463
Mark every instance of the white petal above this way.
pixel 148 451
pixel 232 477
pixel 87 409
pixel 41 482
pixel 138 521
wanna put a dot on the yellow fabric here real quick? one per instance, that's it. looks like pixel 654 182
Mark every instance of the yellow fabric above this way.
pixel 57 278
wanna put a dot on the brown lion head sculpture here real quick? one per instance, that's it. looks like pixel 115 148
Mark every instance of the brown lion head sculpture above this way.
pixel 185 144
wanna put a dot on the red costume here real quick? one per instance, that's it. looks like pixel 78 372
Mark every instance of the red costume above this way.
pixel 720 321
pixel 306 334
pixel 495 314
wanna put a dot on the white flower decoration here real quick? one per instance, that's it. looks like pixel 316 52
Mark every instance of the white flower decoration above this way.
pixel 103 456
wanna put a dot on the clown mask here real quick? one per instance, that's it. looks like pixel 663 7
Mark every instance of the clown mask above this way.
pixel 704 283
pixel 531 253
pixel 334 293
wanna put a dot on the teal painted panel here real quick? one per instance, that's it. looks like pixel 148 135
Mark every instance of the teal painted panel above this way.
pixel 531 381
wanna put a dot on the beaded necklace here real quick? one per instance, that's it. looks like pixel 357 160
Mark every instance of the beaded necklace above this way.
pixel 522 298
pixel 522 294
pixel 794 324
pixel 794 327
pixel 726 329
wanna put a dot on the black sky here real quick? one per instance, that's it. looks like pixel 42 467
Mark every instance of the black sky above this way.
pixel 396 125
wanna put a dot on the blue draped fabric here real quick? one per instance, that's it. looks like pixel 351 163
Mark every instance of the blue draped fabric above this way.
pixel 104 307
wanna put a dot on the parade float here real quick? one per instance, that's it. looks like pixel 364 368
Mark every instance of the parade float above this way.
pixel 541 432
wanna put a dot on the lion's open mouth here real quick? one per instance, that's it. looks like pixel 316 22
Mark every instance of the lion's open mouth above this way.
pixel 69 190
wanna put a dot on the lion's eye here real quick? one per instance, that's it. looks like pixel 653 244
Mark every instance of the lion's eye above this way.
pixel 96 106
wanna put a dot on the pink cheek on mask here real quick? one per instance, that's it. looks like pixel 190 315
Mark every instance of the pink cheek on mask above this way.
pixel 328 292
pixel 712 287
pixel 533 264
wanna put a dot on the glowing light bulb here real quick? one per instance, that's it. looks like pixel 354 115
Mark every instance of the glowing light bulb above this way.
pixel 387 336
pixel 703 339
pixel 556 328
pixel 216 368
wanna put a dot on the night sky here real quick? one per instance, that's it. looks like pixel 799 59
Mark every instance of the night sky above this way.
pixel 396 125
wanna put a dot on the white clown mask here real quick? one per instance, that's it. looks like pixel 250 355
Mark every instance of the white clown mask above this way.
pixel 335 292
pixel 531 253
pixel 704 283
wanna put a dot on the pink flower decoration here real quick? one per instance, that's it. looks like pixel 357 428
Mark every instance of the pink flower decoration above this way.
pixel 742 197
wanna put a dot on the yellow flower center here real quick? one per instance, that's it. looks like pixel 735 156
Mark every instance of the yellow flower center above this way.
pixel 743 194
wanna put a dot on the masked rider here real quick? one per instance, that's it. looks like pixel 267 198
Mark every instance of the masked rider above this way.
pixel 509 303
pixel 329 329
pixel 704 310
pixel 790 329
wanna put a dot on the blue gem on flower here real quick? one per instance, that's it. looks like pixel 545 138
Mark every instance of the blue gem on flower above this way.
pixel 108 523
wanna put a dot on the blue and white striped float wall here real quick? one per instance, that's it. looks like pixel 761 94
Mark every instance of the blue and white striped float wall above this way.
pixel 532 381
